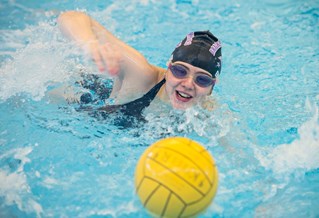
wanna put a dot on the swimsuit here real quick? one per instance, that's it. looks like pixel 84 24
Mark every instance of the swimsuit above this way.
pixel 135 108
pixel 100 91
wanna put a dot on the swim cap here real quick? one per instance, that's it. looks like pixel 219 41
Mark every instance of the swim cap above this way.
pixel 200 49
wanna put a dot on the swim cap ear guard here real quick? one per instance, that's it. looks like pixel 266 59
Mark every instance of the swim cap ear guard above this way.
pixel 200 49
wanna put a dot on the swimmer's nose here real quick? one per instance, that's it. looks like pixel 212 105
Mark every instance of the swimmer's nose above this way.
pixel 188 82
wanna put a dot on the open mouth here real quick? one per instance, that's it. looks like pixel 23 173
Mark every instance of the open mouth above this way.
pixel 181 96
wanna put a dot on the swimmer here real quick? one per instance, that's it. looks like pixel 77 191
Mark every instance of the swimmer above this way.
pixel 189 78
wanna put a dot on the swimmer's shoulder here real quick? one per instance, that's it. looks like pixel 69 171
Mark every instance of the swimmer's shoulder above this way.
pixel 159 72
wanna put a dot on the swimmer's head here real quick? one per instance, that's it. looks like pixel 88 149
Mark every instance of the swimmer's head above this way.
pixel 200 49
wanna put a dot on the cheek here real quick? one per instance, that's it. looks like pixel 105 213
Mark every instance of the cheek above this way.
pixel 204 91
pixel 171 84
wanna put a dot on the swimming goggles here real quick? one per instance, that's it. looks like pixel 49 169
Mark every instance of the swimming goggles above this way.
pixel 200 79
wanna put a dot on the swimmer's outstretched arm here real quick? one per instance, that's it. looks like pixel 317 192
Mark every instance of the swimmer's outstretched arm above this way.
pixel 129 67
pixel 102 45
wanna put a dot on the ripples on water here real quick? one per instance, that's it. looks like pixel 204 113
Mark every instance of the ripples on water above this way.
pixel 57 161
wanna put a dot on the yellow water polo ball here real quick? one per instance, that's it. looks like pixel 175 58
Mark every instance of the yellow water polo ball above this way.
pixel 176 177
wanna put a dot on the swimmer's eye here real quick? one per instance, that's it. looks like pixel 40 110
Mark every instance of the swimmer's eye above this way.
pixel 203 80
pixel 178 71
pixel 200 79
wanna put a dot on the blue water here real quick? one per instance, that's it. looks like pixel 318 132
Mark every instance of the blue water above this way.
pixel 58 162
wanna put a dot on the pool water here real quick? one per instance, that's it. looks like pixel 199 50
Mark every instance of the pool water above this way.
pixel 57 161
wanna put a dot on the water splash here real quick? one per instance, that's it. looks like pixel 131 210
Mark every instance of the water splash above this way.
pixel 14 187
pixel 301 155
pixel 197 123
pixel 44 60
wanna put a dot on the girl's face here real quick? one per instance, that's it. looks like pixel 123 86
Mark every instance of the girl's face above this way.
pixel 185 89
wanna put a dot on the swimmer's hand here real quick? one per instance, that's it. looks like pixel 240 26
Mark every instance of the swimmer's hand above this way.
pixel 88 34
pixel 110 54
pixel 107 57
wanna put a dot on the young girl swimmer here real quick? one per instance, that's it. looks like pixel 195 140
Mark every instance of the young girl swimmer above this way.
pixel 188 80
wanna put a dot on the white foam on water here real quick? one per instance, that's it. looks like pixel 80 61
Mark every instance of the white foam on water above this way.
pixel 43 60
pixel 124 209
pixel 14 187
pixel 301 155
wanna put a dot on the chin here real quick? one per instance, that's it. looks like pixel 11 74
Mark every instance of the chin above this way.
pixel 181 106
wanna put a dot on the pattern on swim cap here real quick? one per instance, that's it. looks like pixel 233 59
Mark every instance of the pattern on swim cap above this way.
pixel 214 48
pixel 189 38
pixel 179 44
pixel 200 49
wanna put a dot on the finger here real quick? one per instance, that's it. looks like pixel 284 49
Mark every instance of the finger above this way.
pixel 92 50
pixel 114 69
pixel 117 57
pixel 110 59
pixel 98 61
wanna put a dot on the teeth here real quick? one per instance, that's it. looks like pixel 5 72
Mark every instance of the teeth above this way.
pixel 184 95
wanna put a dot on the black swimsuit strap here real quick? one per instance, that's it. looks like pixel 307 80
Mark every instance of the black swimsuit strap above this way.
pixel 134 108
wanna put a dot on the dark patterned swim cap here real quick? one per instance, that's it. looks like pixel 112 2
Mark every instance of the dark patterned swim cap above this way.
pixel 200 49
